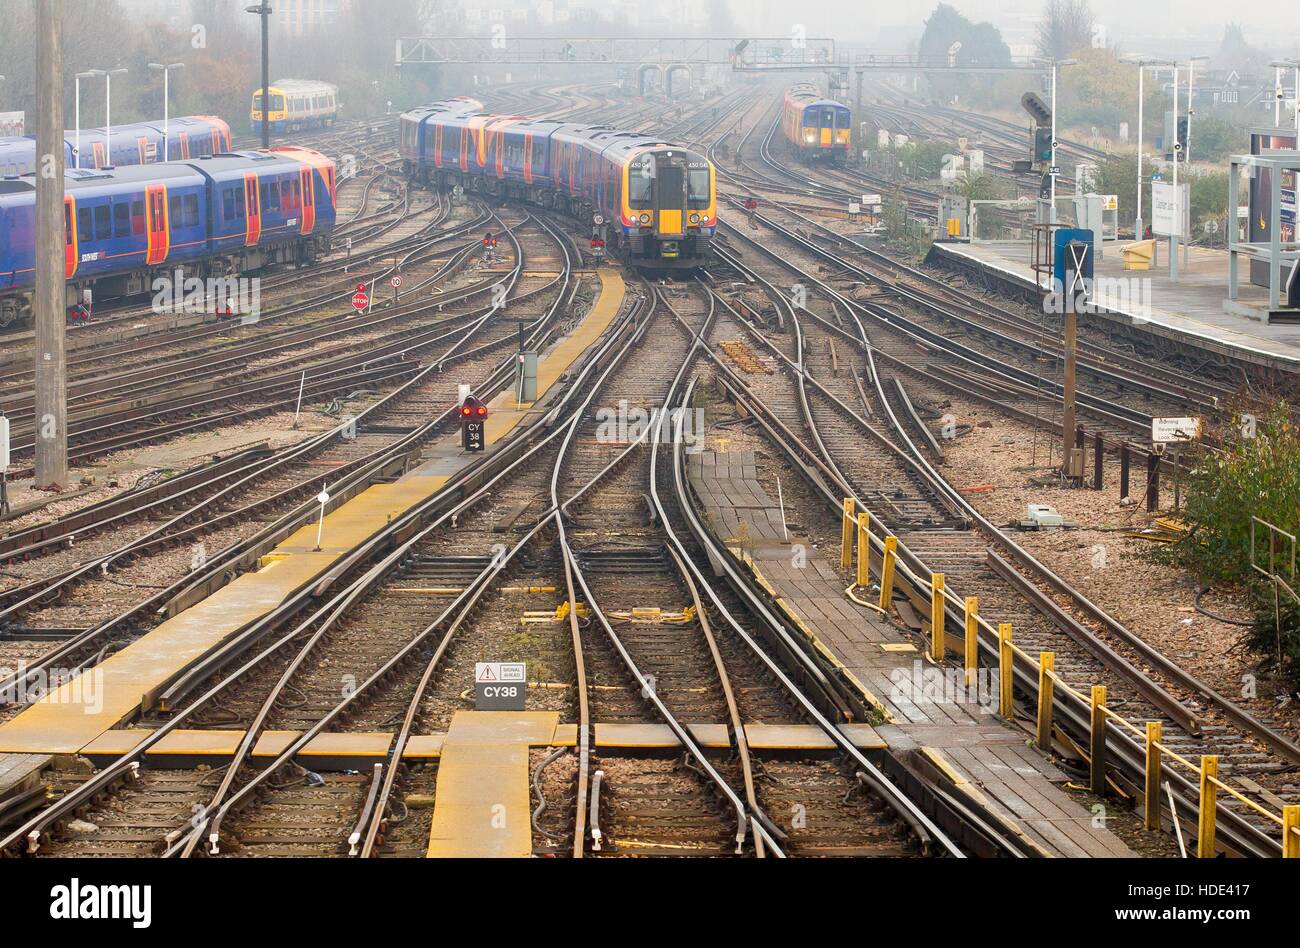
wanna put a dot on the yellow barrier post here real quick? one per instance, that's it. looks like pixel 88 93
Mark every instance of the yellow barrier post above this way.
pixel 972 642
pixel 936 616
pixel 1097 741
pixel 846 533
pixel 1046 665
pixel 1291 832
pixel 1155 732
pixel 864 549
pixel 887 574
pixel 1005 659
pixel 1209 804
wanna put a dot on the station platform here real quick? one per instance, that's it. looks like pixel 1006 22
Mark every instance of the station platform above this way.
pixel 1190 311
pixel 963 738
pixel 72 716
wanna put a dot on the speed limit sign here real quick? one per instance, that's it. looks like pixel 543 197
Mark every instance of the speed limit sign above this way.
pixel 396 281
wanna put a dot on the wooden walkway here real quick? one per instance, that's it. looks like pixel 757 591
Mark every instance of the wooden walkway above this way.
pixel 928 711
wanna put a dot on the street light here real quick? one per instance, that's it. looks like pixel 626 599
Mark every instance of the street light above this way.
pixel 1142 64
pixel 165 70
pixel 76 143
pixel 264 11
pixel 1052 170
pixel 108 111
pixel 1278 65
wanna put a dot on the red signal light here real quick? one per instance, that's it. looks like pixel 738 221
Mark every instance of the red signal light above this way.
pixel 465 410
pixel 482 410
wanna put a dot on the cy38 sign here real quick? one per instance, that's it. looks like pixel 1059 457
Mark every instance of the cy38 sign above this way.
pixel 500 686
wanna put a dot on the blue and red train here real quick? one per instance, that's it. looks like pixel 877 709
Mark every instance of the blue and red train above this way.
pixel 140 143
pixel 654 201
pixel 816 128
pixel 210 216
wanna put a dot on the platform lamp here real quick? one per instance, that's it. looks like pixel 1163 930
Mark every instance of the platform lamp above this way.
pixel 76 80
pixel 1278 65
pixel 1187 145
pixel 1054 64
pixel 1142 63
pixel 108 111
pixel 165 70
pixel 264 11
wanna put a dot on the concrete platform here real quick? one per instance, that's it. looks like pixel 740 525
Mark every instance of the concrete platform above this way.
pixel 74 715
pixel 1190 311
pixel 959 736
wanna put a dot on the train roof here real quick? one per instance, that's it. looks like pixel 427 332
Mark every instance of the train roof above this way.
pixel 301 86
pixel 807 94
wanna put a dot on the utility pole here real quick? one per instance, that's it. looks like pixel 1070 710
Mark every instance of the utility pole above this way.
pixel 51 364
pixel 1067 414
pixel 264 11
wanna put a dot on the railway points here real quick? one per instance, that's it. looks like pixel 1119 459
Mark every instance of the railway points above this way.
pixel 709 408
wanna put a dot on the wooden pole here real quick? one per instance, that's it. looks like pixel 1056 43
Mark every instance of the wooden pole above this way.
pixel 50 311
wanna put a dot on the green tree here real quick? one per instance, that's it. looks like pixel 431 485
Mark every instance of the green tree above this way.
pixel 981 44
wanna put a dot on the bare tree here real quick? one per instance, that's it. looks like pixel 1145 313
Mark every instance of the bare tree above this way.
pixel 1066 26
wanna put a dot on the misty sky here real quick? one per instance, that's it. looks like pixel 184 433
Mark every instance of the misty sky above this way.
pixel 1139 26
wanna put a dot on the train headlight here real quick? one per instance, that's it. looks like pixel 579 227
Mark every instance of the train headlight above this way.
pixel 645 218
pixel 809 137
pixel 695 218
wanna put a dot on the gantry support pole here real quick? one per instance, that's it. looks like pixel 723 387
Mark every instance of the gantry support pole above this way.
pixel 51 364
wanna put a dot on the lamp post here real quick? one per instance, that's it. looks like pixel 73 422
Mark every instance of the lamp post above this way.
pixel 1142 63
pixel 76 142
pixel 1187 145
pixel 1054 64
pixel 264 11
pixel 165 70
pixel 108 111
pixel 1278 65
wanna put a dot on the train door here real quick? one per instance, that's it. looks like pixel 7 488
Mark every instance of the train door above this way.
pixel 69 237
pixel 464 149
pixel 528 157
pixel 670 198
pixel 185 146
pixel 97 150
pixel 308 200
pixel 157 226
pixel 253 210
pixel 216 141
pixel 437 146
pixel 827 125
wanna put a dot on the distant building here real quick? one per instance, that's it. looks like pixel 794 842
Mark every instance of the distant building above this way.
pixel 297 18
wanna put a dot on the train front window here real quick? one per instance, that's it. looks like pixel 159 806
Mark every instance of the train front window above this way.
pixel 697 187
pixel 640 182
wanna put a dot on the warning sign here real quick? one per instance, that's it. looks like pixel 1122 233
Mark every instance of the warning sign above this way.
pixel 500 686
pixel 1173 430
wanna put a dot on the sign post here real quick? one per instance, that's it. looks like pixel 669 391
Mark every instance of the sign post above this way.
pixel 359 299
pixel 395 281
pixel 4 464
pixel 500 686
pixel 323 498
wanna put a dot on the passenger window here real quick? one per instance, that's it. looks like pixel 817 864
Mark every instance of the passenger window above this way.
pixel 239 204
pixel 190 210
pixel 174 211
pixel 137 218
pixel 228 204
pixel 286 195
pixel 85 227
pixel 67 224
pixel 121 220
pixel 103 229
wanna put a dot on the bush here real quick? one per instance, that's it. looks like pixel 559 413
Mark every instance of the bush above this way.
pixel 1248 476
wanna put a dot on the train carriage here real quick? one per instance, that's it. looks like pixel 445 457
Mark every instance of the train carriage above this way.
pixel 816 128
pixel 138 143
pixel 295 104
pixel 654 200
pixel 211 216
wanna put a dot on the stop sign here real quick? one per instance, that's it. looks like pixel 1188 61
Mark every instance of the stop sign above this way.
pixel 359 299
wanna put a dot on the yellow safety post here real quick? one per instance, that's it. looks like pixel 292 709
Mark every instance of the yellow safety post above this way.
pixel 1155 732
pixel 1046 665
pixel 1209 805
pixel 846 533
pixel 1291 832
pixel 1005 659
pixel 972 656
pixel 864 549
pixel 1097 741
pixel 936 616
pixel 887 573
